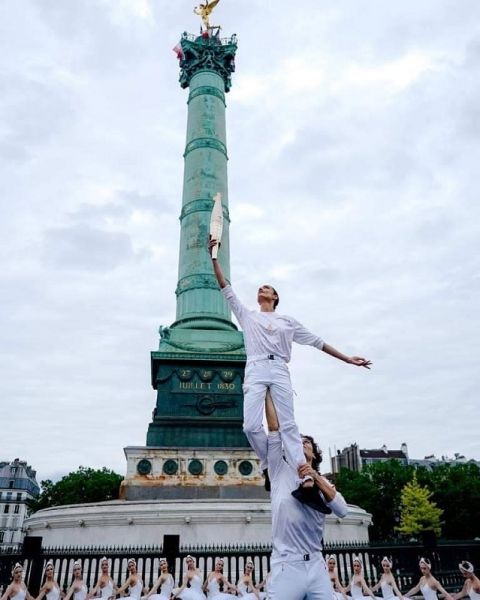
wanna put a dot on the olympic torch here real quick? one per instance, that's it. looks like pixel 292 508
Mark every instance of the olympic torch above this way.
pixel 216 223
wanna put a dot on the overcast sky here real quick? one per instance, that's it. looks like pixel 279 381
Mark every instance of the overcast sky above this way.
pixel 353 135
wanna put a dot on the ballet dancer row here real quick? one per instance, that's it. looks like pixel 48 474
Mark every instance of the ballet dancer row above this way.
pixel 192 588
pixel 428 586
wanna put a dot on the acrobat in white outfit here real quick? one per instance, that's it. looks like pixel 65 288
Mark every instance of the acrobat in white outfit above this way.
pixel 268 343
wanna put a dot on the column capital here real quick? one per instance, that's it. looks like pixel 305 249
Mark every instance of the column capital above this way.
pixel 207 52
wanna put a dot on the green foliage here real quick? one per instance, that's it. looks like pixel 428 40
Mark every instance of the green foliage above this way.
pixel 418 512
pixel 456 489
pixel 84 485
pixel 378 488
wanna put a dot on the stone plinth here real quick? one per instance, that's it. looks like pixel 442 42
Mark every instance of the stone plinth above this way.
pixel 192 473
pixel 199 522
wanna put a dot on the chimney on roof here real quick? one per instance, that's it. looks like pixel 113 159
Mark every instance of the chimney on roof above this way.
pixel 404 449
pixel 385 449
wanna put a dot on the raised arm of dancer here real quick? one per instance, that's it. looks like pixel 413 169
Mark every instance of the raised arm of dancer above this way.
pixel 182 587
pixel 338 586
pixel 217 269
pixel 8 592
pixel 70 591
pixel 155 587
pixel 351 360
pixel 396 589
pixel 43 591
pixel 442 590
pixel 93 592
pixel 366 589
pixel 461 594
pixel 124 587
pixel 414 590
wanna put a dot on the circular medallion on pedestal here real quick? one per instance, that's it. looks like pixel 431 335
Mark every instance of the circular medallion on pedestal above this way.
pixel 170 467
pixel 195 467
pixel 144 466
pixel 245 467
pixel 220 467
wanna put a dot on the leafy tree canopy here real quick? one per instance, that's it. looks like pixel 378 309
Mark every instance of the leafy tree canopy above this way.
pixel 418 512
pixel 81 486
pixel 378 488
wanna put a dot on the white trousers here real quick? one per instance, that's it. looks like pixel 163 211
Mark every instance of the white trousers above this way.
pixel 259 376
pixel 300 580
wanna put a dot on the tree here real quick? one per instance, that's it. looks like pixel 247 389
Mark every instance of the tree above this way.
pixel 81 486
pixel 418 512
pixel 377 489
pixel 456 489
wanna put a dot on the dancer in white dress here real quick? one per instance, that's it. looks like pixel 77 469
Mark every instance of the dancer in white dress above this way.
pixel 215 580
pixel 191 588
pixel 16 590
pixel 78 589
pixel 358 586
pixel 268 343
pixel 163 587
pixel 387 582
pixel 246 587
pixel 338 590
pixel 133 583
pixel 50 589
pixel 428 585
pixel 105 585
pixel 471 587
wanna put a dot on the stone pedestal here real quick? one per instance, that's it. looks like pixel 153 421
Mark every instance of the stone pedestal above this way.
pixel 193 473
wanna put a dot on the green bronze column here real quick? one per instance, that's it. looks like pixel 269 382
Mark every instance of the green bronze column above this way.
pixel 206 67
pixel 198 369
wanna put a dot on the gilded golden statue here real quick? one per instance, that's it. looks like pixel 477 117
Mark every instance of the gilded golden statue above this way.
pixel 204 10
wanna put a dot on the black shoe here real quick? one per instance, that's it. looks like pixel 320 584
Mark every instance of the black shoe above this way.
pixel 311 497
pixel 266 485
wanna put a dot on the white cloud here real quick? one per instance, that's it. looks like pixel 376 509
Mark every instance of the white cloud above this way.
pixel 353 142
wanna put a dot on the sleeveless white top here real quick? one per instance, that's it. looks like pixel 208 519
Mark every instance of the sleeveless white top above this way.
pixel 19 595
pixel 473 594
pixel 53 594
pixel 387 591
pixel 107 590
pixel 135 591
pixel 428 593
pixel 214 590
pixel 80 594
pixel 165 590
pixel 245 591
pixel 357 592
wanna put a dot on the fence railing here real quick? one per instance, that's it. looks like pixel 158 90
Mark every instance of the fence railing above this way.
pixel 444 557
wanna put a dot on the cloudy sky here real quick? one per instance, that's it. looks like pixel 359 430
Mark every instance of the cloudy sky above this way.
pixel 353 135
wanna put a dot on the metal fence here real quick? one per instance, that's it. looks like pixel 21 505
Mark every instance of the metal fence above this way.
pixel 444 557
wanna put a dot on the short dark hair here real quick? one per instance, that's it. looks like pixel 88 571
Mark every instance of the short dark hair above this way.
pixel 317 453
pixel 275 302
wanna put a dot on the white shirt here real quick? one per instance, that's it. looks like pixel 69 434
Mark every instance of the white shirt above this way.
pixel 268 332
pixel 297 529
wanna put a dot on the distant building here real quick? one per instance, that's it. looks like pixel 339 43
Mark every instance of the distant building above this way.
pixel 17 485
pixel 355 458
pixel 431 462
